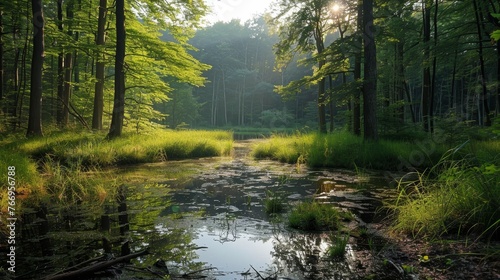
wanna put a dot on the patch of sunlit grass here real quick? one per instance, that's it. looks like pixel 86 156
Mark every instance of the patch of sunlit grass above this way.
pixel 460 195
pixel 91 149
pixel 343 149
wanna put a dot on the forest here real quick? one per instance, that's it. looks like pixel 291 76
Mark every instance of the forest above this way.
pixel 431 64
pixel 142 104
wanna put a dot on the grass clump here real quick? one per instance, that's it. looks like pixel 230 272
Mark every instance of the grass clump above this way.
pixel 314 216
pixel 338 248
pixel 274 203
pixel 459 196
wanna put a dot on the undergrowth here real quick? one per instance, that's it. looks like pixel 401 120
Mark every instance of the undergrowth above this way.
pixel 343 149
pixel 459 195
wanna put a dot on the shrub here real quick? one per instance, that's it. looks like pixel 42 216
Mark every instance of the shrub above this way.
pixel 314 216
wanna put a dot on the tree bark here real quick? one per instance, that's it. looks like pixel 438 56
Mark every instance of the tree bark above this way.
pixel 356 108
pixel 60 69
pixel 99 68
pixel 119 98
pixel 35 110
pixel 426 86
pixel 370 74
pixel 1 58
pixel 68 70
pixel 484 91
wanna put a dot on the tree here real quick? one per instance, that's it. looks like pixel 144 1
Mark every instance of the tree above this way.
pixel 118 114
pixel 370 74
pixel 35 110
pixel 484 107
pixel 100 67
pixel 303 26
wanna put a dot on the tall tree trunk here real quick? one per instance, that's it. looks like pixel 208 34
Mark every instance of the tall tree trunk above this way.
pixel 60 68
pixel 330 101
pixel 453 102
pixel 1 58
pixel 100 67
pixel 484 91
pixel 434 69
pixel 426 86
pixel 321 88
pixel 321 104
pixel 35 110
pixel 370 74
pixel 116 127
pixel 400 80
pixel 224 96
pixel 68 70
pixel 213 116
pixel 497 95
pixel 356 109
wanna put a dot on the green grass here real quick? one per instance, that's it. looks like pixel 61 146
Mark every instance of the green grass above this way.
pixel 314 216
pixel 92 150
pixel 460 195
pixel 343 149
pixel 27 179
pixel 274 203
pixel 338 248
pixel 66 166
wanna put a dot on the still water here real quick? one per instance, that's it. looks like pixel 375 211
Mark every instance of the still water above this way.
pixel 205 218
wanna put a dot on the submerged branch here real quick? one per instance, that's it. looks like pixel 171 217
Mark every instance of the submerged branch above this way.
pixel 96 267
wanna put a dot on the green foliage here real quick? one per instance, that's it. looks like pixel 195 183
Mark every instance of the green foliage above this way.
pixel 338 248
pixel 461 195
pixel 273 117
pixel 314 216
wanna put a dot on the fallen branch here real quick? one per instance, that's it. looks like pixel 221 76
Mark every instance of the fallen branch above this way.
pixel 258 274
pixel 187 275
pixel 96 267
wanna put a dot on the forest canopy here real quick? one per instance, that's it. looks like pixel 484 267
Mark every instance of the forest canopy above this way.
pixel 370 67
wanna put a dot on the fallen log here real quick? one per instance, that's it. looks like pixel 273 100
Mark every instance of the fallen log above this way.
pixel 95 267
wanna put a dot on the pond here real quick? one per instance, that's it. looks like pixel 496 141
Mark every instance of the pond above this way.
pixel 205 218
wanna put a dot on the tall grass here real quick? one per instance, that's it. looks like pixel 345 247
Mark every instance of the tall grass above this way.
pixel 343 149
pixel 460 195
pixel 64 167
pixel 26 178
pixel 314 216
pixel 90 149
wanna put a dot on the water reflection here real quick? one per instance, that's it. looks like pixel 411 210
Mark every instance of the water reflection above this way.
pixel 230 231
pixel 57 236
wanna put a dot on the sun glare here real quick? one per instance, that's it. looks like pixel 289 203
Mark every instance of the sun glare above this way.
pixel 336 7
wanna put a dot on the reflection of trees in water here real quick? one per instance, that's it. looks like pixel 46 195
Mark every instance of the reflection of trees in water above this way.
pixel 54 237
pixel 303 255
pixel 228 229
